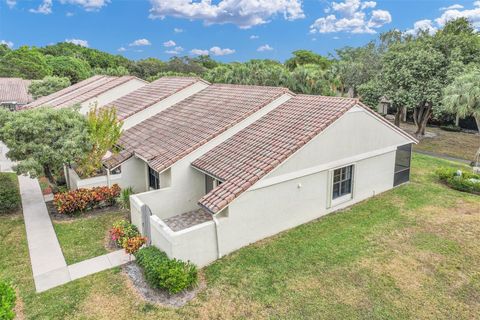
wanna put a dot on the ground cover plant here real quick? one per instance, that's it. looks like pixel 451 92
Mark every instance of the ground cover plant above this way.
pixel 409 253
pixel 462 180
pixel 7 301
pixel 9 194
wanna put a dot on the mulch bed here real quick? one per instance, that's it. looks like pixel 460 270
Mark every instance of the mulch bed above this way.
pixel 54 215
pixel 156 296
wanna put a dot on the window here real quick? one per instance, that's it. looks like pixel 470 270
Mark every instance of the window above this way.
pixel 342 182
pixel 211 183
pixel 153 179
pixel 402 164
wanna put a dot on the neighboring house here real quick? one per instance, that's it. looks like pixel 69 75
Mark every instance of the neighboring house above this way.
pixel 14 93
pixel 100 90
pixel 233 164
pixel 136 107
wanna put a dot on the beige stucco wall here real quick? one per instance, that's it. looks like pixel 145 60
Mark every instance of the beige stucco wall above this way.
pixel 112 94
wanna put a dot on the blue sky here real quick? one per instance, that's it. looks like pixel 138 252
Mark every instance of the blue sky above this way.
pixel 229 30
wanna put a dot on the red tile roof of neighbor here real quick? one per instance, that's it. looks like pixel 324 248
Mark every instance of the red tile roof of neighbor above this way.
pixel 178 130
pixel 253 152
pixel 14 90
pixel 151 94
pixel 80 92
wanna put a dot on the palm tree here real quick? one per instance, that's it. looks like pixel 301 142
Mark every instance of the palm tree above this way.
pixel 462 97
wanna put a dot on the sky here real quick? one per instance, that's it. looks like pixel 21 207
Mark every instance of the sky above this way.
pixel 228 30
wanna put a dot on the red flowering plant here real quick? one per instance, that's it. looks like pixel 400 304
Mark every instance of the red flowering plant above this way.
pixel 131 245
pixel 121 231
pixel 81 200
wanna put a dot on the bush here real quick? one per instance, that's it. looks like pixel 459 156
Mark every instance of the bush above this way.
pixel 164 273
pixel 9 195
pixel 7 301
pixel 124 198
pixel 123 230
pixel 451 128
pixel 82 200
pixel 464 182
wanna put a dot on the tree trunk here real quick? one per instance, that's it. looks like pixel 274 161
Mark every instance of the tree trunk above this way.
pixel 476 161
pixel 398 116
pixel 49 175
pixel 421 115
pixel 351 92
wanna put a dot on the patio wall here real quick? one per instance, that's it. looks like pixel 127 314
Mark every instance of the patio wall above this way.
pixel 196 244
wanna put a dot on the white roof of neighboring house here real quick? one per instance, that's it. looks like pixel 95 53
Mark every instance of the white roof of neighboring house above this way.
pixel 81 91
pixel 14 90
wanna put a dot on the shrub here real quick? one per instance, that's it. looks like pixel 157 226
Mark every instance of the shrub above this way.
pixel 132 245
pixel 464 182
pixel 124 199
pixel 7 301
pixel 451 128
pixel 9 195
pixel 81 200
pixel 163 273
pixel 123 230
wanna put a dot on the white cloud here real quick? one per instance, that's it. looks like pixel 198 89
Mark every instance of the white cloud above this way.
pixel 265 47
pixel 140 42
pixel 121 49
pixel 351 16
pixel 422 25
pixel 199 52
pixel 11 3
pixel 243 13
pixel 8 43
pixel 253 37
pixel 176 50
pixel 88 5
pixel 453 6
pixel 336 38
pixel 69 14
pixel 476 3
pixel 78 42
pixel 177 30
pixel 217 51
pixel 43 8
pixel 169 43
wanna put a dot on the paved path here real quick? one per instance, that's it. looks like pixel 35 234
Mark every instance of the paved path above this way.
pixel 48 264
pixel 5 163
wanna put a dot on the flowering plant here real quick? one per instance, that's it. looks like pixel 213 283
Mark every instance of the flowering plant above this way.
pixel 83 199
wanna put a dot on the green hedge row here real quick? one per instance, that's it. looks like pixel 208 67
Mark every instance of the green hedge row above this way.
pixel 9 194
pixel 464 182
pixel 164 273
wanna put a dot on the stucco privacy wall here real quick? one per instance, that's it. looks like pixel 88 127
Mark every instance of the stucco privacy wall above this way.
pixel 162 105
pixel 112 94
pixel 133 175
pixel 187 183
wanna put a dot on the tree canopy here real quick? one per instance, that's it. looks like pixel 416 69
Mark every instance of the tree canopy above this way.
pixel 25 62
pixel 69 67
pixel 46 86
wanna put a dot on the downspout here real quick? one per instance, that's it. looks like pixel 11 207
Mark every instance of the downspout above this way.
pixel 219 253
pixel 108 177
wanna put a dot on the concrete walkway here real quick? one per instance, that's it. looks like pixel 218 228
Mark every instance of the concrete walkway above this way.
pixel 5 163
pixel 48 264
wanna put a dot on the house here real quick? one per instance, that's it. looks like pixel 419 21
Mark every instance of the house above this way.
pixel 134 108
pixel 232 164
pixel 14 93
pixel 100 90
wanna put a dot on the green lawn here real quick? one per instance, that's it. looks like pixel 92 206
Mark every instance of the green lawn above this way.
pixel 85 238
pixel 410 253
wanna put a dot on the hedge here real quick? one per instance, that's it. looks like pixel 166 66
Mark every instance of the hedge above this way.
pixel 83 199
pixel 7 301
pixel 164 273
pixel 464 182
pixel 9 194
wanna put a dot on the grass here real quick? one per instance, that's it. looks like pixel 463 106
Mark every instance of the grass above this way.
pixel 10 200
pixel 454 144
pixel 410 253
pixel 85 238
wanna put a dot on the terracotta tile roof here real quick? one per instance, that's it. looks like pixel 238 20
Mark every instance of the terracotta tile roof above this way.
pixel 170 135
pixel 253 152
pixel 151 94
pixel 14 89
pixel 80 92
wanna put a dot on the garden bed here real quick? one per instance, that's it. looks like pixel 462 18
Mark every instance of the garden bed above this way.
pixel 56 216
pixel 152 295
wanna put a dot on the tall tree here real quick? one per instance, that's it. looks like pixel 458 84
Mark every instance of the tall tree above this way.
pixel 43 139
pixel 462 97
pixel 46 86
pixel 73 68
pixel 147 68
pixel 25 62
pixel 303 57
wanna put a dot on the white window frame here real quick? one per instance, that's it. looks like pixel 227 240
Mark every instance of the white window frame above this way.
pixel 345 198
